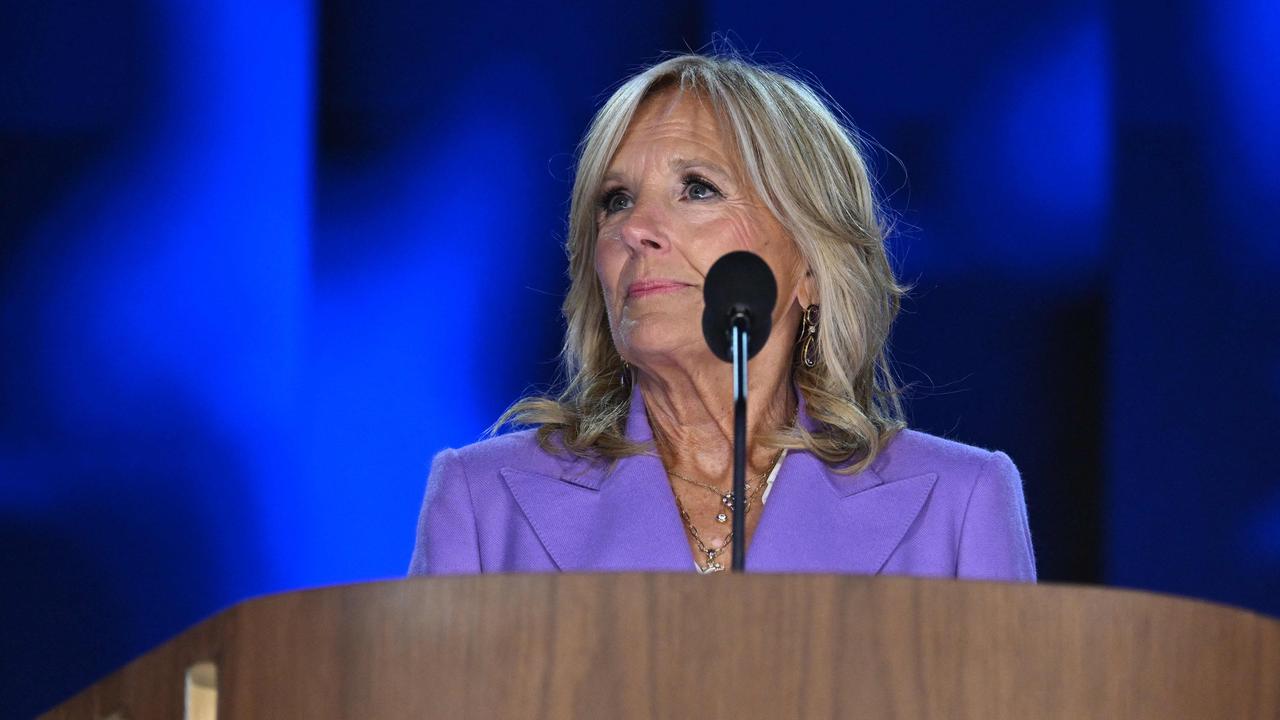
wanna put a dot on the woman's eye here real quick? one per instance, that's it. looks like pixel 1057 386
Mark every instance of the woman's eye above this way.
pixel 615 201
pixel 699 189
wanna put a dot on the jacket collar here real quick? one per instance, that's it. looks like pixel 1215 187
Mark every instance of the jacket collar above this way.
pixel 590 517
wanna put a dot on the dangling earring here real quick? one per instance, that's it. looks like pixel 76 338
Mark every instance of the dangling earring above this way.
pixel 624 374
pixel 809 337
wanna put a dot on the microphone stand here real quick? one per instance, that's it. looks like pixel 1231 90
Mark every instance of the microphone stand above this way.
pixel 738 350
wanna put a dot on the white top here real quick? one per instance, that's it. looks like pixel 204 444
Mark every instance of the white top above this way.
pixel 773 475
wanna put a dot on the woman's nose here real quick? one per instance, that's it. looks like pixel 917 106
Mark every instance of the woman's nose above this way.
pixel 646 228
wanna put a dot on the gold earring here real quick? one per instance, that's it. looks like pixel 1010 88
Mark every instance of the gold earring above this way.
pixel 809 337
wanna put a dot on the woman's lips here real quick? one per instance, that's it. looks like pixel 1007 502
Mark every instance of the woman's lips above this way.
pixel 653 287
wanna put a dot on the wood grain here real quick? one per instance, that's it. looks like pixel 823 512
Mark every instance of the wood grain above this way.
pixel 642 646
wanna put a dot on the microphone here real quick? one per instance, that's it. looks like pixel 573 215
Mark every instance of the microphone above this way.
pixel 739 288
pixel 738 298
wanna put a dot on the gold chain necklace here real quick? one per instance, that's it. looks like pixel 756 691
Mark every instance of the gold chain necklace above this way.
pixel 727 498
pixel 712 552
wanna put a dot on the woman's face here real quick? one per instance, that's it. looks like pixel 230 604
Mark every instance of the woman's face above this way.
pixel 673 200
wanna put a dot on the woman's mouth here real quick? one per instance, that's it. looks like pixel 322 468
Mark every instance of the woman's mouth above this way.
pixel 642 288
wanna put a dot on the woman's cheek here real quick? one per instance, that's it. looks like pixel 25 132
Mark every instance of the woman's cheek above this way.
pixel 744 230
pixel 725 232
pixel 609 264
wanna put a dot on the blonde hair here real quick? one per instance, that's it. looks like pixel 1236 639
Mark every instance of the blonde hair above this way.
pixel 809 168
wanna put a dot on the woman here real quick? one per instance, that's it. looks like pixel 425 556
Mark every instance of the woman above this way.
pixel 630 467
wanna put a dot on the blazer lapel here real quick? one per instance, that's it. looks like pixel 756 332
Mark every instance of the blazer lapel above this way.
pixel 818 520
pixel 588 519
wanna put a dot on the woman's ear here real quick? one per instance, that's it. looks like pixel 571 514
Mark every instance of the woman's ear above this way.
pixel 807 292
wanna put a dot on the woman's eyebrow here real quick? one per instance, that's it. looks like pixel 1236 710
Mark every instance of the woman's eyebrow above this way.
pixel 679 164
pixel 676 165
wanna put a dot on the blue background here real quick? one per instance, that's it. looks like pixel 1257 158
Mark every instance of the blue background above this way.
pixel 259 261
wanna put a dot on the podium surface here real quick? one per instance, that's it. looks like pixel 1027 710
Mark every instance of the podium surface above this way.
pixel 660 645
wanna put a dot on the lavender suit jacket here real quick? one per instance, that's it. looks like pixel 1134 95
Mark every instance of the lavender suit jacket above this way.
pixel 925 507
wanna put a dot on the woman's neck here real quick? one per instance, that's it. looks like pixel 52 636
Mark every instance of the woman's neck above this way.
pixel 691 414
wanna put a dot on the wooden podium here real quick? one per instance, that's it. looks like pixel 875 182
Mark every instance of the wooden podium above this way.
pixel 684 646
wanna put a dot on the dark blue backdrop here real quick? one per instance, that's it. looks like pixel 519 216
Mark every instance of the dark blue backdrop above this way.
pixel 260 260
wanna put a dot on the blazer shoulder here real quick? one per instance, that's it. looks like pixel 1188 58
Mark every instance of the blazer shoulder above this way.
pixel 982 494
pixel 912 452
pixel 517 450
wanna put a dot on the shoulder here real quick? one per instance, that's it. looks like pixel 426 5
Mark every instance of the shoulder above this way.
pixel 977 498
pixel 466 500
pixel 911 452
pixel 517 450
pixel 961 472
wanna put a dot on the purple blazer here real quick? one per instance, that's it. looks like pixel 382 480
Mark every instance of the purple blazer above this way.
pixel 926 507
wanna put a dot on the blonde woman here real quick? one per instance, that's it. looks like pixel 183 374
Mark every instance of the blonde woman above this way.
pixel 629 467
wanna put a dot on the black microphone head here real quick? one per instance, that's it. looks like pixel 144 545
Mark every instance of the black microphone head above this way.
pixel 738 284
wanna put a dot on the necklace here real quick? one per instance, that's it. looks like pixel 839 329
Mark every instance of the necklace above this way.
pixel 712 553
pixel 726 497
pixel 712 565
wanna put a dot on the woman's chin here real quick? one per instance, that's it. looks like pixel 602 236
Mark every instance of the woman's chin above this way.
pixel 650 351
pixel 660 332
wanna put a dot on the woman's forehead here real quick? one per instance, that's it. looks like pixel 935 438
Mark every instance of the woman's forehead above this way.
pixel 682 116
pixel 676 105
